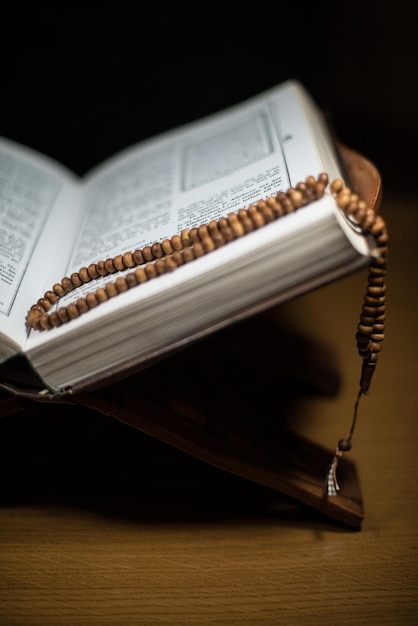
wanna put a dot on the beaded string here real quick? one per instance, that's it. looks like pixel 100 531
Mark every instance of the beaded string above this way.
pixel 162 257
pixel 370 329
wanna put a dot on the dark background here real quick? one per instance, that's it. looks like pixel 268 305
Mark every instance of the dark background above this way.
pixel 82 82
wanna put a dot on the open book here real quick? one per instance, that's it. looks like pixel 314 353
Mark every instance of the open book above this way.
pixel 52 223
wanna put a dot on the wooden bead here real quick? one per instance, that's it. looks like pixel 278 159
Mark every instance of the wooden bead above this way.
pixel 376 290
pixel 377 280
pixel 285 202
pixel 110 266
pixel 73 311
pixel 151 270
pixel 138 257
pixel 344 445
pixel 207 244
pixel 375 346
pixel 245 220
pixel 213 228
pixel 226 230
pixel 344 198
pixel 189 253
pixel 377 271
pixel 360 214
pixel 377 337
pixel 177 258
pixel 121 284
pixel 32 316
pixel 218 239
pixel 91 300
pixel 82 305
pixel 369 310
pixel 378 226
pixel 141 275
pixel 131 280
pixel 67 284
pixel 366 330
pixel 111 290
pixel 147 252
pixel 38 307
pixel 92 271
pixel 367 320
pixel 170 264
pixel 84 275
pixel 185 237
pixel 101 295
pixel 167 247
pixel 337 185
pixel 44 303
pixel 176 242
pixel 161 266
pixel 54 319
pixel 256 216
pixel 59 290
pixel 235 225
pixel 309 196
pixel 194 235
pixel 63 314
pixel 275 206
pixel 319 190
pixel 310 181
pixel 51 296
pixel 199 249
pixel 273 203
pixel 128 259
pixel 362 339
pixel 379 261
pixel 203 231
pixel 45 322
pixel 157 250
pixel 352 207
pixel 75 280
pixel 378 328
pixel 266 211
pixel 380 309
pixel 119 263
pixel 296 198
pixel 368 219
pixel 101 268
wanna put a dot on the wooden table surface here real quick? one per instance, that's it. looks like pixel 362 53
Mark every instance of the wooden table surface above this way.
pixel 101 525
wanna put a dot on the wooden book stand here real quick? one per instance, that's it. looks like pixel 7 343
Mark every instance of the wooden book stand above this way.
pixel 224 400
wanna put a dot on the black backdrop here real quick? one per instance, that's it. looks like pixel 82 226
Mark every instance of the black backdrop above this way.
pixel 80 82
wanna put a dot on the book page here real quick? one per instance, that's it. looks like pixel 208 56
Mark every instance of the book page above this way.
pixel 188 176
pixel 182 179
pixel 197 173
pixel 31 188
